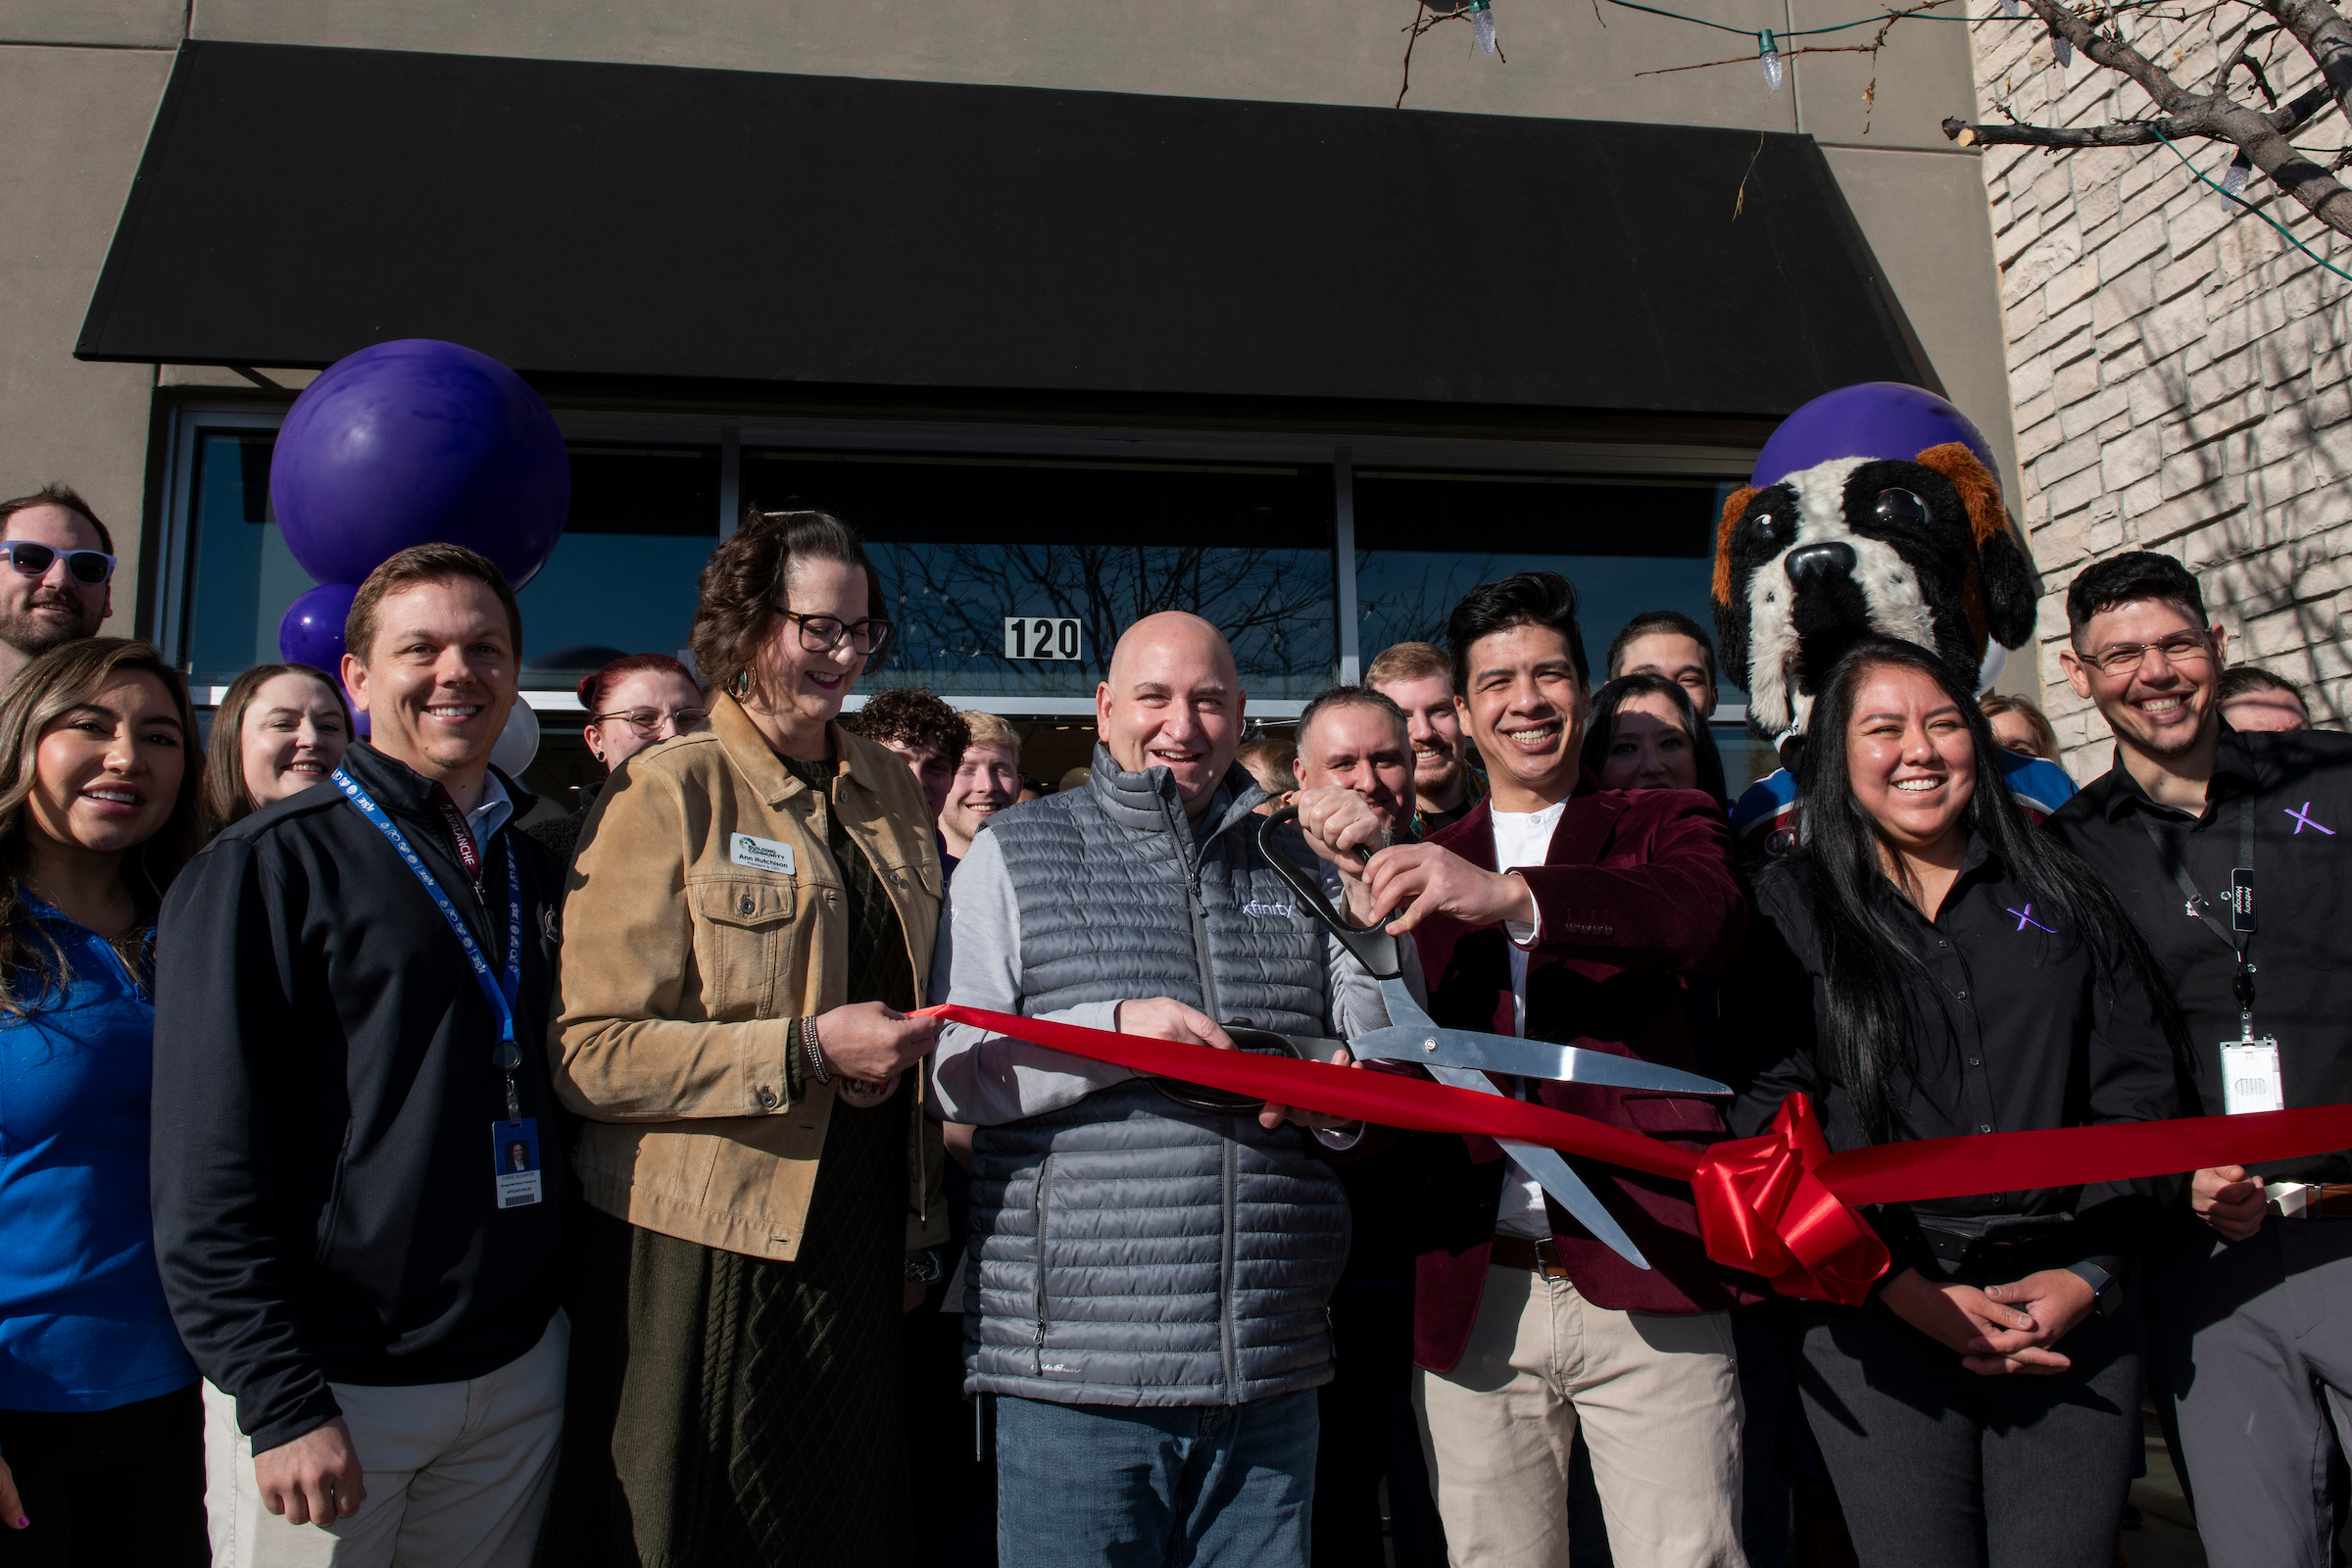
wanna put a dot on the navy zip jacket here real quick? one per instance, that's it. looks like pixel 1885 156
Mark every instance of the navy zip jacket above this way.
pixel 324 1171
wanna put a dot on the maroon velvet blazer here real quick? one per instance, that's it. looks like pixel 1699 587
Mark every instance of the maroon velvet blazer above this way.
pixel 1638 894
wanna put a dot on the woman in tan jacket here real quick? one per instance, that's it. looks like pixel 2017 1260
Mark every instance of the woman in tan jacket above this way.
pixel 749 921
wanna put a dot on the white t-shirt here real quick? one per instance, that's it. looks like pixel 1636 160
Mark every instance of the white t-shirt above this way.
pixel 1523 838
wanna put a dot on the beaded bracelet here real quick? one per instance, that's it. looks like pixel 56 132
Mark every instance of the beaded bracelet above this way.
pixel 815 1052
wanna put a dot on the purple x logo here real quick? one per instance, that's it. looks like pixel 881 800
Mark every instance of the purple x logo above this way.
pixel 2025 919
pixel 2304 819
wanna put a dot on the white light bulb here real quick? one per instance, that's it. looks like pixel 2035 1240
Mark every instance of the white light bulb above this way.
pixel 2233 181
pixel 2065 52
pixel 1772 70
pixel 1482 21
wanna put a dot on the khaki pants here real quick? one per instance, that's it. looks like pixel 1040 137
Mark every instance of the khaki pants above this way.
pixel 458 1473
pixel 1660 1401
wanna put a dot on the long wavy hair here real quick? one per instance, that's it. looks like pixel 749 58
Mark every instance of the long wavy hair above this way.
pixel 33 970
pixel 227 797
pixel 1873 979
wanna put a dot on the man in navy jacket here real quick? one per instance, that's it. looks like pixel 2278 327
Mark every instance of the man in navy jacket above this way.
pixel 362 1273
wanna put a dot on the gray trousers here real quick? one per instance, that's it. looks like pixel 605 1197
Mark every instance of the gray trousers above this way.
pixel 2250 1357
pixel 1936 1465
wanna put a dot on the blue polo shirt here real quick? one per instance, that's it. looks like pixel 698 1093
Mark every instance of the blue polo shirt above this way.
pixel 82 1320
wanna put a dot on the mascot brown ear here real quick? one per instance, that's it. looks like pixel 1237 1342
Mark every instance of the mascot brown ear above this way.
pixel 1731 620
pixel 2012 587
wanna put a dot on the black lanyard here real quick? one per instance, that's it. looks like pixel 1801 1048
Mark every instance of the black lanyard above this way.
pixel 2239 932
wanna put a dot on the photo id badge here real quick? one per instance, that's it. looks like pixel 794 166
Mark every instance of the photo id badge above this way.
pixel 2250 1080
pixel 515 1146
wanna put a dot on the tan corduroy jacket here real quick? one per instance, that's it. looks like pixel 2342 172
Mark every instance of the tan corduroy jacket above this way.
pixel 688 948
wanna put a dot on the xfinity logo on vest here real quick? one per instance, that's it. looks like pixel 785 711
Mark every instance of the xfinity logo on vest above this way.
pixel 1262 911
pixel 762 855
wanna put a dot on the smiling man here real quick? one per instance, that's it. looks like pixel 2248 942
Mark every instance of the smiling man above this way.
pixel 352 990
pixel 56 583
pixel 2252 1377
pixel 1419 680
pixel 1147 1278
pixel 1557 912
pixel 987 780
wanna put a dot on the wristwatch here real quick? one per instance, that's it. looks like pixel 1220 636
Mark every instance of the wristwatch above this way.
pixel 922 1268
pixel 2106 1291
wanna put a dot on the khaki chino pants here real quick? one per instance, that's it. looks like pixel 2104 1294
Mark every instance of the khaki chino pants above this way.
pixel 1658 1399
pixel 458 1473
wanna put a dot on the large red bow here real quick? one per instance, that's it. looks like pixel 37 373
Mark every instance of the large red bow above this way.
pixel 1763 1207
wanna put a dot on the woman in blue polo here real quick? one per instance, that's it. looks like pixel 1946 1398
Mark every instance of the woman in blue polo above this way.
pixel 100 1424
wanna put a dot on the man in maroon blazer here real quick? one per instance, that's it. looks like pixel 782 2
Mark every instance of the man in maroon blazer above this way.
pixel 1562 912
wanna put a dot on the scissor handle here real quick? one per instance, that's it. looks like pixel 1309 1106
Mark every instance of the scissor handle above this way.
pixel 1374 948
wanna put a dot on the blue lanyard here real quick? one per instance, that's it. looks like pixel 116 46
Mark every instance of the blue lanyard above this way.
pixel 500 993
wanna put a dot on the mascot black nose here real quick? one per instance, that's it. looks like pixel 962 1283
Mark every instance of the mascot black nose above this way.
pixel 1817 561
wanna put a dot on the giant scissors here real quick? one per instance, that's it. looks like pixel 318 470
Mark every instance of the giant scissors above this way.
pixel 1463 1057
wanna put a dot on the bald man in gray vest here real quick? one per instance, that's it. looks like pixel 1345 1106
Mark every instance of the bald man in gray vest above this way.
pixel 1147 1281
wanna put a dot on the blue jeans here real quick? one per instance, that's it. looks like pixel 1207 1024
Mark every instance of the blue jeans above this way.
pixel 1102 1485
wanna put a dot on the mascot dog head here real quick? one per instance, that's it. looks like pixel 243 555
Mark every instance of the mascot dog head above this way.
pixel 1917 548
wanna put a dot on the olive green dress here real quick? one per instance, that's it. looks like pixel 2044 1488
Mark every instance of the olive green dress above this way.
pixel 729 1410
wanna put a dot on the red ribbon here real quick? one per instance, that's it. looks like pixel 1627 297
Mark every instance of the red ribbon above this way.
pixel 1781 1205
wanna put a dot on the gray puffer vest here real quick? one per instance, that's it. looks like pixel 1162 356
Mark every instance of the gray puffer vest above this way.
pixel 1125 1250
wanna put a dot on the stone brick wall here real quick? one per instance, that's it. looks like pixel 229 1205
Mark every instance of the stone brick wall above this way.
pixel 2178 372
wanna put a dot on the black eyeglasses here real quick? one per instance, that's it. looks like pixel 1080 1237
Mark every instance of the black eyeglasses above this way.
pixel 646 721
pixel 2123 658
pixel 91 567
pixel 821 634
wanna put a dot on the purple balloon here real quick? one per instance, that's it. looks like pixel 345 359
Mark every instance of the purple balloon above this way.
pixel 1870 419
pixel 415 442
pixel 312 632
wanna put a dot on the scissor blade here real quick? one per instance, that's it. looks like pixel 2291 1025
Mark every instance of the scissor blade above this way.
pixel 1551 1171
pixel 1404 1011
pixel 1528 1058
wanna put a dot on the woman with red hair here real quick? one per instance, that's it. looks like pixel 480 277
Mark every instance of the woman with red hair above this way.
pixel 631 704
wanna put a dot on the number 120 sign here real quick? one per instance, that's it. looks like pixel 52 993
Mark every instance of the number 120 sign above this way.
pixel 1041 637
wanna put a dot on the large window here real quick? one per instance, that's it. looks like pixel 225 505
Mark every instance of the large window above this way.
pixel 1013 560
pixel 1013 578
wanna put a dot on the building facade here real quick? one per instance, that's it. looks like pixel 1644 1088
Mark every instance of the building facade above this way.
pixel 1075 310
pixel 2179 370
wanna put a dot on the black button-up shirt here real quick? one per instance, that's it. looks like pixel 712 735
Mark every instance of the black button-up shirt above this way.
pixel 2028 1029
pixel 2299 785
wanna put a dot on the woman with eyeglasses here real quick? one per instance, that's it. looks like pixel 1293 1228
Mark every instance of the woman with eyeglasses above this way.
pixel 631 704
pixel 279 730
pixel 1927 964
pixel 101 1422
pixel 749 924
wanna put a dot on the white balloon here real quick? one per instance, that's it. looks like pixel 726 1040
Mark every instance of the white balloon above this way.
pixel 518 742
pixel 1996 659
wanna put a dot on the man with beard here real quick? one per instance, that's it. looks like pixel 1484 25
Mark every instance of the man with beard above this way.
pixel 1417 679
pixel 65 560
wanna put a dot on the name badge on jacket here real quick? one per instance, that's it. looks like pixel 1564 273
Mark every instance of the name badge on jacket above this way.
pixel 761 855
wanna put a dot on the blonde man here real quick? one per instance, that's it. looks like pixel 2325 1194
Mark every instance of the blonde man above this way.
pixel 987 780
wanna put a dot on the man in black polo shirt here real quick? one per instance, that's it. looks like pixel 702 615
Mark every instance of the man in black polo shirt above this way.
pixel 2250 1350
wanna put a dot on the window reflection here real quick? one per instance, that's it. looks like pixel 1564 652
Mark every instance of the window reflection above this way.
pixel 967 545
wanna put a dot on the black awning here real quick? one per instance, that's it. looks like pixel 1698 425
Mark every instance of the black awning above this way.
pixel 295 204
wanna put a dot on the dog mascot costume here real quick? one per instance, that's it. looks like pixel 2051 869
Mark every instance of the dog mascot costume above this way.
pixel 1873 508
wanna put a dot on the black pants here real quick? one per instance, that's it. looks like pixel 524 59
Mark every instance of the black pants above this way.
pixel 1370 1430
pixel 109 1487
pixel 1935 1464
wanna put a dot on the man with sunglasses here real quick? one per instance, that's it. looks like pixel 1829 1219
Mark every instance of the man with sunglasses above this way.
pixel 63 564
pixel 2232 853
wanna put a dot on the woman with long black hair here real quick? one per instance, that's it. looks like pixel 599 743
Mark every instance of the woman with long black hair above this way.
pixel 1931 966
